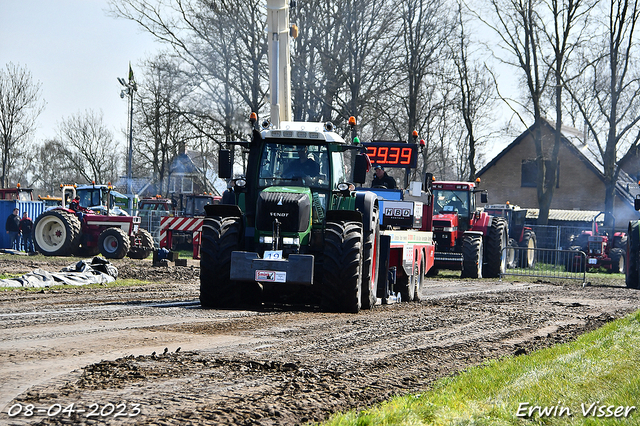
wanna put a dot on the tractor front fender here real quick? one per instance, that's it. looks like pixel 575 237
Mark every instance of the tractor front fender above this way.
pixel 482 223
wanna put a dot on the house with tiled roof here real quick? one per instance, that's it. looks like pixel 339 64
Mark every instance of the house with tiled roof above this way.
pixel 512 176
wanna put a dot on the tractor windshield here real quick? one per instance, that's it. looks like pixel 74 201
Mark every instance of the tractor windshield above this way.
pixel 92 197
pixel 195 205
pixel 451 201
pixel 294 164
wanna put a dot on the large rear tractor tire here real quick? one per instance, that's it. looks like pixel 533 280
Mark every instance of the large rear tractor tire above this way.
pixel 342 267
pixel 495 254
pixel 370 265
pixel 527 257
pixel 220 237
pixel 56 233
pixel 472 256
pixel 141 245
pixel 632 276
pixel 114 243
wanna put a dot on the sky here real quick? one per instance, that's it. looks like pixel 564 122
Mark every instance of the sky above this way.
pixel 77 52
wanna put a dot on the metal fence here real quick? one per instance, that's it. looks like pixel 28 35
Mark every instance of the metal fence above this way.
pixel 150 220
pixel 556 237
pixel 545 263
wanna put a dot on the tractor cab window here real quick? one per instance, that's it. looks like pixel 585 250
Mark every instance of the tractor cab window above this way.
pixel 451 201
pixel 195 205
pixel 91 198
pixel 294 164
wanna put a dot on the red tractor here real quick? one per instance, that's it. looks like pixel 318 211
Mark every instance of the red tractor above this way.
pixel 466 238
pixel 61 232
pixel 17 193
pixel 519 235
pixel 601 250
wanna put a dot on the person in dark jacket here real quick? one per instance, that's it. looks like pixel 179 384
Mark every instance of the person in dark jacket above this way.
pixel 13 229
pixel 26 229
pixel 381 178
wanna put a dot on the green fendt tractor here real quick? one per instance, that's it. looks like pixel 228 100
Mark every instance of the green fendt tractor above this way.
pixel 292 229
pixel 288 236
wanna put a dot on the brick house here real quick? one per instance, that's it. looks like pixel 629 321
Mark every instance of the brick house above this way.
pixel 512 176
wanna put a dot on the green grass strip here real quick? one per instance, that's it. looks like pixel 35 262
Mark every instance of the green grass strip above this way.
pixel 592 381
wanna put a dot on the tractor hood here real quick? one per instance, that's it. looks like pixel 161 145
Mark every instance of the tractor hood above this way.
pixel 445 222
pixel 290 206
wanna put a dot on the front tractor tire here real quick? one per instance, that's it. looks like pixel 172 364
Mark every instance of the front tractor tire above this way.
pixel 472 256
pixel 141 245
pixel 529 244
pixel 114 243
pixel 56 233
pixel 220 237
pixel 342 267
pixel 495 254
pixel 618 258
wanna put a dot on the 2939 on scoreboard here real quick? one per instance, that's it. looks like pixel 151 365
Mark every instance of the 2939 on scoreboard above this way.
pixel 392 154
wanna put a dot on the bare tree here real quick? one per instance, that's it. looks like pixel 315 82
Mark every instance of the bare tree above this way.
pixel 608 92
pixel 159 118
pixel 20 106
pixel 91 146
pixel 426 26
pixel 477 98
pixel 539 45
pixel 222 46
pixel 371 56
pixel 52 166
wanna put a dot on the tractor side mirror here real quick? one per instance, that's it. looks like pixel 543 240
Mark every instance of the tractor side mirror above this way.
pixel 483 198
pixel 360 168
pixel 224 164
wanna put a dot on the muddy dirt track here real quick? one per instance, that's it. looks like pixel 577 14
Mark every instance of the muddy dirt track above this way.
pixel 150 355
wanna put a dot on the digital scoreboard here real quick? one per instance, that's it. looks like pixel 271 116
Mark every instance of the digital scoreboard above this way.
pixel 392 154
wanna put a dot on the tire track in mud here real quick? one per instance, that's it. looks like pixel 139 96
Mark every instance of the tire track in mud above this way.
pixel 290 367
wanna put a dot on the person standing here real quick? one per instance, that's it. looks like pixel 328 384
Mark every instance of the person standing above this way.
pixel 13 229
pixel 26 228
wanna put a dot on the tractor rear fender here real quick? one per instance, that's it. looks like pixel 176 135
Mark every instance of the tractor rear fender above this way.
pixel 346 215
pixel 223 210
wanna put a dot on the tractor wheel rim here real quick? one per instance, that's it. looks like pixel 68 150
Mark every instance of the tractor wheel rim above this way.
pixel 110 244
pixel 53 234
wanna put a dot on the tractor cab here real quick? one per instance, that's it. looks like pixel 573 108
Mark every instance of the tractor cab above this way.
pixel 515 216
pixel 102 199
pixel 17 193
pixel 455 203
pixel 194 205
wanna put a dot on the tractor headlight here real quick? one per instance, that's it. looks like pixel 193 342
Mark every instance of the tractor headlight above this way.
pixel 266 240
pixel 290 241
